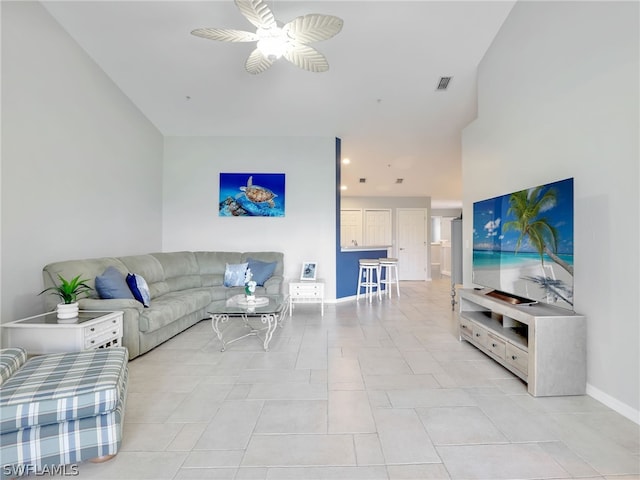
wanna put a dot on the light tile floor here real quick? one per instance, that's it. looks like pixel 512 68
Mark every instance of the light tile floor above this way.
pixel 369 391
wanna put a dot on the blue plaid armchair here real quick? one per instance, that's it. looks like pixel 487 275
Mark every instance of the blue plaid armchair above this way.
pixel 60 409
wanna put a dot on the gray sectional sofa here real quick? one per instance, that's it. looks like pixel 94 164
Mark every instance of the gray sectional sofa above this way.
pixel 182 286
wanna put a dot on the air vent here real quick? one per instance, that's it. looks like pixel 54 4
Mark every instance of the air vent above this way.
pixel 444 83
pixel 363 180
pixel 399 180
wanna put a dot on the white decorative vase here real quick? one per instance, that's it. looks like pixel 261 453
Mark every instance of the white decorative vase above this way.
pixel 68 311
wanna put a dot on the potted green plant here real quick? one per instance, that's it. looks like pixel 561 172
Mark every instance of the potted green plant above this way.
pixel 69 291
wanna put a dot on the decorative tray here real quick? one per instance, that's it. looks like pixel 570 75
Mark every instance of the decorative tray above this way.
pixel 241 301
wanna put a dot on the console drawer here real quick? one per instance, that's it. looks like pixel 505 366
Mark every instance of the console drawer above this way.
pixel 466 328
pixel 102 332
pixel 496 345
pixel 99 328
pixel 306 293
pixel 306 289
pixel 103 337
pixel 518 358
pixel 479 335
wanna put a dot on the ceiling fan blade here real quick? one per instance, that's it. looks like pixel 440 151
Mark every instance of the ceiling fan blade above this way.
pixel 257 12
pixel 307 58
pixel 257 62
pixel 313 27
pixel 225 35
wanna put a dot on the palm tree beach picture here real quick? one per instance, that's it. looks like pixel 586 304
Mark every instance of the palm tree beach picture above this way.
pixel 251 195
pixel 523 243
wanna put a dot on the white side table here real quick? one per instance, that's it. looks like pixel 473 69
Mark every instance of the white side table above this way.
pixel 306 292
pixel 42 334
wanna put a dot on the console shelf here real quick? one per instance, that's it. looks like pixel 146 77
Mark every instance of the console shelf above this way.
pixel 543 345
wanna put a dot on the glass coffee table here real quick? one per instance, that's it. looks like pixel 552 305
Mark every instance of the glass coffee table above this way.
pixel 268 309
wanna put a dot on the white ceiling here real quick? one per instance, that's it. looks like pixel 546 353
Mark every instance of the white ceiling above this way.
pixel 379 95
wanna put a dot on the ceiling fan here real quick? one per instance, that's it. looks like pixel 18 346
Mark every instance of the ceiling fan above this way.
pixel 290 41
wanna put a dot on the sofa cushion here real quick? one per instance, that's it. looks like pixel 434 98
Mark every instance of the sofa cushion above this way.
pixel 88 268
pixel 212 279
pixel 151 270
pixel 139 288
pixel 214 263
pixel 112 284
pixel 261 271
pixel 64 386
pixel 174 305
pixel 181 270
pixel 11 359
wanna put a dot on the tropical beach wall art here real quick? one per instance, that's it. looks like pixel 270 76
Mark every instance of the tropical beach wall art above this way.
pixel 523 243
pixel 252 195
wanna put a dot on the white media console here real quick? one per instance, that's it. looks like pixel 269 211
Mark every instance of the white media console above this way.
pixel 543 345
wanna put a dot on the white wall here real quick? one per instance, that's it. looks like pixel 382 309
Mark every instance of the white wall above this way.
pixel 307 232
pixel 557 98
pixel 81 166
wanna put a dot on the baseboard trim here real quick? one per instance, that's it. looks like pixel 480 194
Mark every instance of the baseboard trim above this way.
pixel 614 404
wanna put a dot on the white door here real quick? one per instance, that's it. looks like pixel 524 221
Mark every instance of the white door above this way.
pixel 350 227
pixel 412 243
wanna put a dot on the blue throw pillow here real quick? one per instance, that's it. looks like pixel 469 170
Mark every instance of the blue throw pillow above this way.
pixel 112 284
pixel 139 288
pixel 234 275
pixel 261 271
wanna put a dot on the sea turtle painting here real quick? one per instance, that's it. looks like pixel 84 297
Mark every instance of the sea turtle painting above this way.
pixel 241 197
pixel 258 194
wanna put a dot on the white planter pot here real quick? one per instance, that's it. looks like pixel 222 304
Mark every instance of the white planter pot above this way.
pixel 67 311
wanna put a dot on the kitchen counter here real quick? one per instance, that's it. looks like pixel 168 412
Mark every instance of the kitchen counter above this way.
pixel 364 248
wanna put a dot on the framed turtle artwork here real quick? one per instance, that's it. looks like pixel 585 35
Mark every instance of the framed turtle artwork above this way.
pixel 251 195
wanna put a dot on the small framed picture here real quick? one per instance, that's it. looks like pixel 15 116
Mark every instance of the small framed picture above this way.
pixel 308 271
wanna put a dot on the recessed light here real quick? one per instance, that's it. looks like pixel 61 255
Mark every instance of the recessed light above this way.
pixel 343 187
pixel 346 161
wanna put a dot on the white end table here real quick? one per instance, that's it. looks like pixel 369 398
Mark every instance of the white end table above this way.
pixel 42 334
pixel 306 292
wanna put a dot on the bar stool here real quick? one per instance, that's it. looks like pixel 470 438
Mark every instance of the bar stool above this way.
pixel 368 269
pixel 389 274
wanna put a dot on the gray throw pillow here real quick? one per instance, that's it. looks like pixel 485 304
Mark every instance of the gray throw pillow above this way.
pixel 112 284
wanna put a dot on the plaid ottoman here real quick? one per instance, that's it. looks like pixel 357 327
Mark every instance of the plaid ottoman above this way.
pixel 60 409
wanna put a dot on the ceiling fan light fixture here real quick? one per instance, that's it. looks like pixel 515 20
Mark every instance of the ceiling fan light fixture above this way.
pixel 273 42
